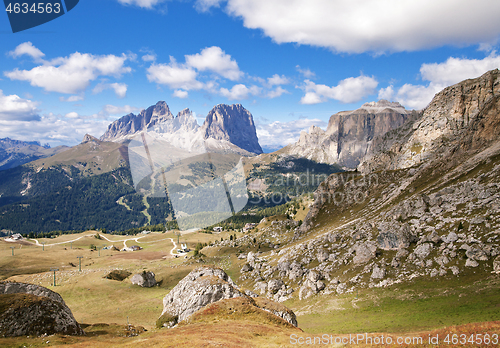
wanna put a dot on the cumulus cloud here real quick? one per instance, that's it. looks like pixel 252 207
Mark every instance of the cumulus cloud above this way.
pixel 349 90
pixel 72 115
pixel 174 75
pixel 216 60
pixel 15 108
pixel 278 92
pixel 149 57
pixel 71 99
pixel 54 129
pixel 357 26
pixel 71 74
pixel 28 49
pixel 206 5
pixel 386 93
pixel 276 80
pixel 149 4
pixel 307 73
pixel 119 88
pixel 112 110
pixel 179 93
pixel 278 134
pixel 441 75
pixel 239 92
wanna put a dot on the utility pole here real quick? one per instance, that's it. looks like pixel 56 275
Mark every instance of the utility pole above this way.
pixel 54 270
pixel 71 245
pixel 99 251
pixel 80 265
pixel 12 250
pixel 43 246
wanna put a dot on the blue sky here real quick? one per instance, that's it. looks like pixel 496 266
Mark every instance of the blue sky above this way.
pixel 291 63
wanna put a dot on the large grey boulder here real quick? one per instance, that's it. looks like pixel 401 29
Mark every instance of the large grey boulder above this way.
pixel 394 236
pixel 32 310
pixel 202 286
pixel 206 285
pixel 144 279
pixel 32 289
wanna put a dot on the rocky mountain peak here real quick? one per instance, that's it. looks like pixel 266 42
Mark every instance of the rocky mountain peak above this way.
pixel 381 105
pixel 88 138
pixel 131 124
pixel 349 135
pixel 234 124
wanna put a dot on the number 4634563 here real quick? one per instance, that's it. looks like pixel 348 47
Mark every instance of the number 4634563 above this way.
pixel 35 8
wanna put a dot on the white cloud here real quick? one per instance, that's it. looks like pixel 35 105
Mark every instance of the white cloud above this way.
pixel 27 48
pixel 119 88
pixel 386 93
pixel 72 115
pixel 14 108
pixel 206 5
pixel 149 4
pixel 112 110
pixel 278 80
pixel 71 99
pixel 349 90
pixel 71 74
pixel 278 92
pixel 54 129
pixel 279 134
pixel 365 25
pixel 174 75
pixel 307 73
pixel 216 60
pixel 455 70
pixel 149 57
pixel 179 93
pixel 441 75
pixel 239 92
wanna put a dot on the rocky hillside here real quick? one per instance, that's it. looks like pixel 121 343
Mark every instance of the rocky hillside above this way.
pixel 349 135
pixel 460 120
pixel 428 210
pixel 227 128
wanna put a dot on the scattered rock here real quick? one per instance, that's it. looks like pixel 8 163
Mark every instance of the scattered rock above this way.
pixel 144 279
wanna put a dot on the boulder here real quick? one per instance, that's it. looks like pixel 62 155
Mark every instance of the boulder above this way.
pixel 496 265
pixel 144 279
pixel 199 288
pixel 393 236
pixel 32 310
pixel 364 252
pixel 32 289
pixel 274 285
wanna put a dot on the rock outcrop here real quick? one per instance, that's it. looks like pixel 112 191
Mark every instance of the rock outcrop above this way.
pixel 144 279
pixel 349 135
pixel 206 285
pixel 234 124
pixel 460 118
pixel 131 124
pixel 32 310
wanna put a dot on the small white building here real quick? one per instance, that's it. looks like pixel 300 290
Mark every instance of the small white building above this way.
pixel 217 229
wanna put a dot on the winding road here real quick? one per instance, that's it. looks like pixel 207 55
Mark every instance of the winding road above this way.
pixel 136 239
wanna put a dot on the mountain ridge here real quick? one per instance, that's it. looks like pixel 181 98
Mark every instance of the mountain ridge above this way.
pixel 226 128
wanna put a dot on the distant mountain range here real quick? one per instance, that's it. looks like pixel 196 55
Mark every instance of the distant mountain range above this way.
pixel 14 153
pixel 227 128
